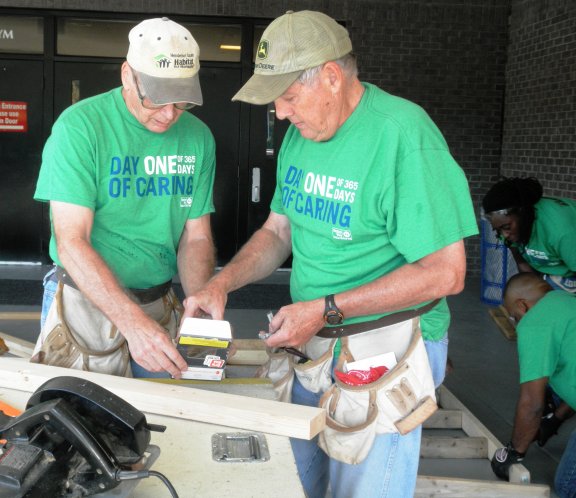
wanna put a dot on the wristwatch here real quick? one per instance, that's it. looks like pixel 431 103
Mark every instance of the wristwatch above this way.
pixel 332 315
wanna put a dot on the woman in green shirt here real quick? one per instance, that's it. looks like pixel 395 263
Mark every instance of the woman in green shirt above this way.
pixel 540 231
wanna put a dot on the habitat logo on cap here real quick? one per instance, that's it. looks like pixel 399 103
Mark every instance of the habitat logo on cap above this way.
pixel 167 59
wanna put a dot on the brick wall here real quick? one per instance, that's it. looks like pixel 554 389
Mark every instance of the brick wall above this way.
pixel 450 58
pixel 540 114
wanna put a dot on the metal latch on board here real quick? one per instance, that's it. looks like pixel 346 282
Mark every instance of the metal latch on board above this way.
pixel 240 447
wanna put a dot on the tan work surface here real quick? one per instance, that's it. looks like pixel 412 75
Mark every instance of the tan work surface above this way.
pixel 186 460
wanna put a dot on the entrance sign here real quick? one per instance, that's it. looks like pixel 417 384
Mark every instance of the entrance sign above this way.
pixel 13 116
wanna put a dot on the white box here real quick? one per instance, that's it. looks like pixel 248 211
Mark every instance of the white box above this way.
pixel 385 359
pixel 204 344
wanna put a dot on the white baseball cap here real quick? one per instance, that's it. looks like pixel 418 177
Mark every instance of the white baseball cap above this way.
pixel 167 60
pixel 291 44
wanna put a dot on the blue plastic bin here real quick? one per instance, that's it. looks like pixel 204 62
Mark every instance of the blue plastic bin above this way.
pixel 497 265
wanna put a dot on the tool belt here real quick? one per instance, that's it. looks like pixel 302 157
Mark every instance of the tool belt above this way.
pixel 141 296
pixel 397 402
pixel 391 319
pixel 78 335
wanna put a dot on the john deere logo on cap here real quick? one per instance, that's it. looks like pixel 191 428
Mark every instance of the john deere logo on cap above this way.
pixel 262 49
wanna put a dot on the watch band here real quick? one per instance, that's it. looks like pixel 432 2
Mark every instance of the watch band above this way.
pixel 332 314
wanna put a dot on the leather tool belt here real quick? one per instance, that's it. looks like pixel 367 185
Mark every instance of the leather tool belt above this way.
pixel 391 319
pixel 142 296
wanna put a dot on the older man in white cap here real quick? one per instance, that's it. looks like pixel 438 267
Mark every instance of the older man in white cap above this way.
pixel 129 176
pixel 374 210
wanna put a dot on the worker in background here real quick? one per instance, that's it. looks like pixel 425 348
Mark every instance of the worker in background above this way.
pixel 540 231
pixel 372 207
pixel 129 176
pixel 546 343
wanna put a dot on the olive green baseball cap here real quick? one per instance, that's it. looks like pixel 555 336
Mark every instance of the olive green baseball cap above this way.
pixel 291 44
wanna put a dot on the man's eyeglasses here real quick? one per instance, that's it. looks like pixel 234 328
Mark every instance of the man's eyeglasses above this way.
pixel 148 104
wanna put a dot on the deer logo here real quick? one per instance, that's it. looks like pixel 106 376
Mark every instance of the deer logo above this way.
pixel 262 52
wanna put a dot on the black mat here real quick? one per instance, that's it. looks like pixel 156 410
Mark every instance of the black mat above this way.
pixel 255 296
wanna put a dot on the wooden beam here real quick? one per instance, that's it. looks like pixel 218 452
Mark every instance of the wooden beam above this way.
pixel 430 487
pixel 502 319
pixel 16 346
pixel 453 447
pixel 249 344
pixel 248 357
pixel 274 417
pixel 20 315
pixel 444 419
pixel 473 427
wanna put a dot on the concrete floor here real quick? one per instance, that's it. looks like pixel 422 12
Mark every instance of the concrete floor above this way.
pixel 484 378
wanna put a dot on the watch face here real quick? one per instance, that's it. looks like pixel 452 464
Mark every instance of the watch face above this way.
pixel 333 317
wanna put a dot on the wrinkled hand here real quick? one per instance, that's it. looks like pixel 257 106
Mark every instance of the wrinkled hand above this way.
pixel 296 323
pixel 152 348
pixel 549 426
pixel 503 459
pixel 208 302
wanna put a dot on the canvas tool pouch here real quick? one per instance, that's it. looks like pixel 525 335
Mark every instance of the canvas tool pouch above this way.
pixel 315 375
pixel 77 335
pixel 397 402
pixel 279 369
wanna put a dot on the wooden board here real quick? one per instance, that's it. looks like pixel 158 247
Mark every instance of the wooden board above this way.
pixel 473 427
pixel 428 487
pixel 231 410
pixel 444 419
pixel 16 346
pixel 20 315
pixel 502 319
pixel 453 447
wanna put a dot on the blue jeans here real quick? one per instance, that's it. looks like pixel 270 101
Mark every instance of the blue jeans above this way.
pixel 390 469
pixel 565 479
pixel 50 285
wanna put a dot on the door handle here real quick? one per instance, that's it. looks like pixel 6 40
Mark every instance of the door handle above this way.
pixel 255 185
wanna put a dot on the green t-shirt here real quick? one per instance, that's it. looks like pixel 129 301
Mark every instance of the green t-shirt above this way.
pixel 552 245
pixel 383 192
pixel 142 186
pixel 547 343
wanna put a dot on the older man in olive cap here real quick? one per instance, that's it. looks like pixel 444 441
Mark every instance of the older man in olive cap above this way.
pixel 128 175
pixel 373 208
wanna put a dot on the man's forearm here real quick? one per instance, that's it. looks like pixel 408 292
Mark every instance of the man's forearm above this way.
pixel 526 424
pixel 196 263
pixel 437 275
pixel 258 258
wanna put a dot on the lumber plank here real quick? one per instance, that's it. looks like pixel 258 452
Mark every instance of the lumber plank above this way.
pixel 273 417
pixel 473 427
pixel 244 386
pixel 444 419
pixel 248 357
pixel 16 346
pixel 502 320
pixel 249 344
pixel 430 487
pixel 20 315
pixel 453 447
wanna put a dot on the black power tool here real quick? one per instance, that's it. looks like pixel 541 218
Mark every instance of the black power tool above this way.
pixel 74 439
